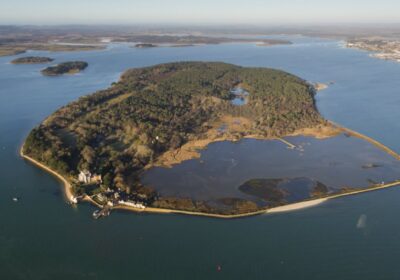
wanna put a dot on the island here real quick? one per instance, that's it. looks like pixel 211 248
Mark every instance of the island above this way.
pixel 102 145
pixel 70 67
pixel 192 40
pixel 11 50
pixel 20 48
pixel 149 41
pixel 143 45
pixel 32 60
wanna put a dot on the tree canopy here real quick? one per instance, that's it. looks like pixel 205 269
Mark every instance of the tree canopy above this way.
pixel 118 131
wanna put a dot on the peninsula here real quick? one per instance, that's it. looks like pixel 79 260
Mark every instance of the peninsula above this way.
pixel 387 49
pixel 162 115
pixel 71 67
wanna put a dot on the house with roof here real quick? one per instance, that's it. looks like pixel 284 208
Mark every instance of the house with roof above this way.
pixel 86 177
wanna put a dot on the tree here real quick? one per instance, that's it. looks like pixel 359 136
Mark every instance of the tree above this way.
pixel 88 155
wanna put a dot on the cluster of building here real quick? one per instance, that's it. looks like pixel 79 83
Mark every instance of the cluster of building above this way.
pixel 385 49
pixel 132 204
pixel 87 178
pixel 112 197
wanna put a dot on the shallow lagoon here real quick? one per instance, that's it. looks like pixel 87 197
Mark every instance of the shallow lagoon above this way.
pixel 223 167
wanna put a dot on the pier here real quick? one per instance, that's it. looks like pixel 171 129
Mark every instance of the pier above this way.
pixel 290 145
pixel 104 212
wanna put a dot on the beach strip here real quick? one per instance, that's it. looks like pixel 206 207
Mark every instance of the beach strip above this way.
pixel 284 208
pixel 67 186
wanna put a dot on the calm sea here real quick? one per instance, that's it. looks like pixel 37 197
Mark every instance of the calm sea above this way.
pixel 41 237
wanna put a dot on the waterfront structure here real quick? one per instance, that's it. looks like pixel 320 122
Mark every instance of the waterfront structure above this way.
pixel 132 204
pixel 87 177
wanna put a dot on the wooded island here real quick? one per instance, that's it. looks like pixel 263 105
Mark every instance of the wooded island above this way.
pixel 103 142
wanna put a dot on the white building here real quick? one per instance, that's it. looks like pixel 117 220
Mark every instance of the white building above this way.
pixel 132 204
pixel 110 203
pixel 85 177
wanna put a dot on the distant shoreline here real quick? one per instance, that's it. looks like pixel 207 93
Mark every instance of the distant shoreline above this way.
pixel 279 209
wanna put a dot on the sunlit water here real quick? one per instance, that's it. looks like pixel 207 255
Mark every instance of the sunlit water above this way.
pixel 41 237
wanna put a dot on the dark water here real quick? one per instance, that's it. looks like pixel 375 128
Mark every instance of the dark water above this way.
pixel 224 166
pixel 41 237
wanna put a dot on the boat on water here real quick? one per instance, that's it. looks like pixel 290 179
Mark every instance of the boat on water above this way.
pixel 96 214
pixel 15 199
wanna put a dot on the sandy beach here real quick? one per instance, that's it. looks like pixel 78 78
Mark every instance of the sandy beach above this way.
pixel 183 212
pixel 67 186
pixel 297 206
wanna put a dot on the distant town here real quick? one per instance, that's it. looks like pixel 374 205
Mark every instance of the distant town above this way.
pixel 383 49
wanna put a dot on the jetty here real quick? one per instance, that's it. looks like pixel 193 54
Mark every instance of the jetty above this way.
pixel 104 212
pixel 290 145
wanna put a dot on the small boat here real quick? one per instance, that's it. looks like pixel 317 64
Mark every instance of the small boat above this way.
pixel 15 199
pixel 96 214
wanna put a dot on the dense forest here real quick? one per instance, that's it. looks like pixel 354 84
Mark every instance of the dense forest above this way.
pixel 65 68
pixel 119 131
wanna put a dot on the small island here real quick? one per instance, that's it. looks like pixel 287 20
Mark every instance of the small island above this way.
pixel 102 145
pixel 32 60
pixel 71 67
pixel 11 48
pixel 145 45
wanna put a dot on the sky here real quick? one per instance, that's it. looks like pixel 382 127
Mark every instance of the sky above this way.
pixel 258 12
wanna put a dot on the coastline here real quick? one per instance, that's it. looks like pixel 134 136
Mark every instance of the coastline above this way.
pixel 67 186
pixel 279 209
pixel 70 197
pixel 297 205
pixel 387 52
pixel 374 142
